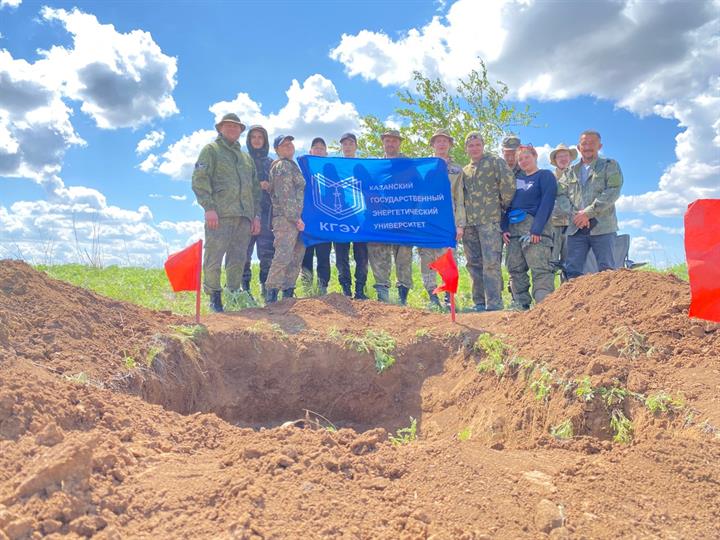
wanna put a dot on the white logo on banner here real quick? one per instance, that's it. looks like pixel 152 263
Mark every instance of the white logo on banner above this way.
pixel 338 198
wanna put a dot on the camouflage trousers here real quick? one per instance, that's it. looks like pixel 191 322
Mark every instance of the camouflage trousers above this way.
pixel 536 258
pixel 381 257
pixel 289 251
pixel 429 276
pixel 483 252
pixel 559 249
pixel 229 240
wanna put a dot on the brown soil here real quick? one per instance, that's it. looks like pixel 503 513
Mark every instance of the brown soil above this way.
pixel 223 435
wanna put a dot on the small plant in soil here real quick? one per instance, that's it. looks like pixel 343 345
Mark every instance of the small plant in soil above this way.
pixel 422 332
pixel 622 427
pixel 584 390
pixel 379 343
pixel 613 396
pixel 78 378
pixel 405 435
pixel 494 350
pixel 542 386
pixel 152 354
pixel 564 430
pixel 629 343
pixel 465 434
pixel 663 402
pixel 189 331
pixel 129 362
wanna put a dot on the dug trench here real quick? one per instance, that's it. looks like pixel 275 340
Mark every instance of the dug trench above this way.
pixel 593 415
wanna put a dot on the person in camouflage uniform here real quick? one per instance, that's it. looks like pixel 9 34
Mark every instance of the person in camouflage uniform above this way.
pixel 257 143
pixel 561 158
pixel 441 142
pixel 348 145
pixel 509 147
pixel 287 186
pixel 489 187
pixel 225 184
pixel 591 188
pixel 382 255
pixel 527 231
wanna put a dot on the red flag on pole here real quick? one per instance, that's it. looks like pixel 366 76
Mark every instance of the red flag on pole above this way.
pixel 702 251
pixel 447 268
pixel 183 269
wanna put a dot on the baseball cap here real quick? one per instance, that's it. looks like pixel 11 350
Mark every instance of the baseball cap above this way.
pixel 281 139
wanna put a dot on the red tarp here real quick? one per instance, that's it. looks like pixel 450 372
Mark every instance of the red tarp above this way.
pixel 702 251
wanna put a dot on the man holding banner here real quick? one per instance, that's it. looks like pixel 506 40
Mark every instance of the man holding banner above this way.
pixel 489 189
pixel 382 255
pixel 441 142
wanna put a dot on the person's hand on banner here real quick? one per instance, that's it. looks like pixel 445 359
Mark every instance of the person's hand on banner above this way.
pixel 300 225
pixel 459 233
pixel 255 229
pixel 506 238
pixel 211 219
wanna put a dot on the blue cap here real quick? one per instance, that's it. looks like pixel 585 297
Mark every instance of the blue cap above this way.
pixel 281 139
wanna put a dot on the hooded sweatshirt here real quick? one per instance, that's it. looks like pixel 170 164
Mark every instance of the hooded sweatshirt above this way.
pixel 262 165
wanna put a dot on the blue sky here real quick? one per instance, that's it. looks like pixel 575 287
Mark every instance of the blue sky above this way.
pixel 83 83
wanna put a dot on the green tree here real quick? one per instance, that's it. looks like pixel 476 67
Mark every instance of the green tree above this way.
pixel 475 104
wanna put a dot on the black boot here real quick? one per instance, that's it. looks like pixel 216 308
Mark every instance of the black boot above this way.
pixel 383 295
pixel 347 290
pixel 271 296
pixel 434 300
pixel 322 289
pixel 246 285
pixel 288 293
pixel 263 290
pixel 216 301
pixel 403 294
pixel 360 292
pixel 448 302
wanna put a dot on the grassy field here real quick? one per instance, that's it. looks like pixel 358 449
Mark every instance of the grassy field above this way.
pixel 150 288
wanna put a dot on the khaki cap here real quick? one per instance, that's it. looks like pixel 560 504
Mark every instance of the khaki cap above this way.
pixel 474 135
pixel 391 133
pixel 511 142
pixel 561 146
pixel 441 133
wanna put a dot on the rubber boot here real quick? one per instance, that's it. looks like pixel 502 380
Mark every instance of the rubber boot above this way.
pixel 383 294
pixel 322 289
pixel 216 301
pixel 434 300
pixel 288 293
pixel 360 293
pixel 403 294
pixel 263 290
pixel 246 285
pixel 347 290
pixel 447 300
pixel 271 296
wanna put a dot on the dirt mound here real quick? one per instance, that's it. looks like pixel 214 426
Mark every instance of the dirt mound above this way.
pixel 285 415
pixel 68 329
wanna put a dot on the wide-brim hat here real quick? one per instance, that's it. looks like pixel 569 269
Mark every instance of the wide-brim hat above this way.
pixel 561 146
pixel 441 133
pixel 232 118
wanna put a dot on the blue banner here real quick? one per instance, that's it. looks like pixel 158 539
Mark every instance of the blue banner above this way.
pixel 394 201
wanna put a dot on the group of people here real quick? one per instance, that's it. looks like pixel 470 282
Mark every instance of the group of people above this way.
pixel 548 220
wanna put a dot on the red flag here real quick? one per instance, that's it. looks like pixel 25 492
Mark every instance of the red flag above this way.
pixel 183 268
pixel 702 251
pixel 448 270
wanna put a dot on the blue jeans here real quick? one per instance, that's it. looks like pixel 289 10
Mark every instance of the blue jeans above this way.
pixel 580 243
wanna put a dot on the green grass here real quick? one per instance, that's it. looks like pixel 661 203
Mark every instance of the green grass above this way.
pixel 563 431
pixel 379 343
pixel 150 288
pixel 405 435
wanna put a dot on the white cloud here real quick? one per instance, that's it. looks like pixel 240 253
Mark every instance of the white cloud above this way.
pixel 178 197
pixel 313 109
pixel 122 80
pixel 151 140
pixel 648 57
pixel 644 249
pixel 10 3
pixel 630 223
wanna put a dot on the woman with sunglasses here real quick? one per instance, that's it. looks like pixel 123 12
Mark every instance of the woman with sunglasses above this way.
pixel 527 230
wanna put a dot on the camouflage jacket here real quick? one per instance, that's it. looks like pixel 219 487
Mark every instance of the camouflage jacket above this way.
pixel 287 189
pixel 596 198
pixel 561 211
pixel 225 180
pixel 457 184
pixel 488 190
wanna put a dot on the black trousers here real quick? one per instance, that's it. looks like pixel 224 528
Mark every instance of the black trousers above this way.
pixel 264 242
pixel 342 261
pixel 322 252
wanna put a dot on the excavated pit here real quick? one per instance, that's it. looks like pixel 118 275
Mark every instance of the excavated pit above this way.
pixel 264 379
